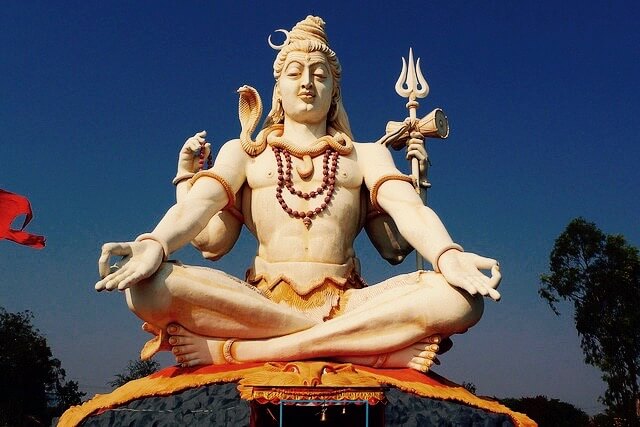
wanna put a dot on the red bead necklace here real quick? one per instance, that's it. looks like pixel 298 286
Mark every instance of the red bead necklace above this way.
pixel 201 157
pixel 285 179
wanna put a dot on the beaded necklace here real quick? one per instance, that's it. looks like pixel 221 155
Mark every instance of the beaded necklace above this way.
pixel 285 179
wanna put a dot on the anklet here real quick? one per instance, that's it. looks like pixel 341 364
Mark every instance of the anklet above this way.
pixel 381 360
pixel 226 352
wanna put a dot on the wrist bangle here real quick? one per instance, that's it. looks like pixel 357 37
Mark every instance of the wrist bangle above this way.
pixel 182 177
pixel 149 236
pixel 455 246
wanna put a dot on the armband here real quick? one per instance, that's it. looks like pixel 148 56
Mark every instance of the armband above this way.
pixel 227 188
pixel 382 180
pixel 179 178
pixel 149 236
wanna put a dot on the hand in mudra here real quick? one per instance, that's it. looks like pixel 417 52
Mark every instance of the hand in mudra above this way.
pixel 462 270
pixel 189 157
pixel 141 260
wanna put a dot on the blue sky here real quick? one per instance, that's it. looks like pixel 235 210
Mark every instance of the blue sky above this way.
pixel 96 99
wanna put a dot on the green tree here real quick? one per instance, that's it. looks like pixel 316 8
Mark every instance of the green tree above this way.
pixel 135 369
pixel 470 387
pixel 600 275
pixel 548 412
pixel 33 388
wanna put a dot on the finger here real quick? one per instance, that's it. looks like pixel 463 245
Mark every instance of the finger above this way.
pixel 112 283
pixel 485 288
pixel 416 154
pixel 114 273
pixel 480 287
pixel 484 263
pixel 193 145
pixel 494 295
pixel 464 284
pixel 202 134
pixel 416 135
pixel 112 280
pixel 496 277
pixel 132 279
pixel 108 250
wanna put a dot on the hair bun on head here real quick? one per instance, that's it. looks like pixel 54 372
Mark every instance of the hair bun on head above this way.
pixel 311 28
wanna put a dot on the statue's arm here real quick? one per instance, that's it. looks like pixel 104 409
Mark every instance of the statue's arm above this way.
pixel 212 190
pixel 223 229
pixel 420 225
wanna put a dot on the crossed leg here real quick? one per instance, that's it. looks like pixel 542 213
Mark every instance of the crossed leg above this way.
pixel 403 321
pixel 211 303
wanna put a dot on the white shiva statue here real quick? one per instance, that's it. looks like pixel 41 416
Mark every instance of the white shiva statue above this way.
pixel 305 189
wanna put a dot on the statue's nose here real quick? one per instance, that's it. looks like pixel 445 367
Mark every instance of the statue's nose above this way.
pixel 306 80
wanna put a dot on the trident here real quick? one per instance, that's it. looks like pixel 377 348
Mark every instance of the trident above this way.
pixel 412 85
pixel 407 87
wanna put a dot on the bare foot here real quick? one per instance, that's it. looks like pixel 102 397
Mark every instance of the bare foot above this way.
pixel 419 356
pixel 192 349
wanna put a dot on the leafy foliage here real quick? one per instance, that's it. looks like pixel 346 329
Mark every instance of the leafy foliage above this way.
pixel 548 412
pixel 135 369
pixel 32 385
pixel 600 275
pixel 470 387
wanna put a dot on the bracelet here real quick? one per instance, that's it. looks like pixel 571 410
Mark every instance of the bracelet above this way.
pixel 182 177
pixel 455 246
pixel 382 180
pixel 226 352
pixel 149 236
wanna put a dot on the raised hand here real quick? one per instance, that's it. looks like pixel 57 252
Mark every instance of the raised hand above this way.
pixel 141 260
pixel 189 157
pixel 462 269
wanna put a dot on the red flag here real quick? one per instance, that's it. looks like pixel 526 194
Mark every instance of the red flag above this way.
pixel 12 206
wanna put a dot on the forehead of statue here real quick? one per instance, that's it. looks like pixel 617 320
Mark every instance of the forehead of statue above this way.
pixel 305 58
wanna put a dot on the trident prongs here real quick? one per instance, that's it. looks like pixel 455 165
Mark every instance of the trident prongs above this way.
pixel 411 83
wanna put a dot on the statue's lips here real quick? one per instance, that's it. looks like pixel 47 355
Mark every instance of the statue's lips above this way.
pixel 307 96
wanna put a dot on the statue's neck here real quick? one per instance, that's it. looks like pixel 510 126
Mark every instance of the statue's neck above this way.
pixel 303 133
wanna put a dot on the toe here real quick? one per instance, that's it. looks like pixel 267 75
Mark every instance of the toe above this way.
pixel 434 339
pixel 420 364
pixel 191 363
pixel 427 355
pixel 175 329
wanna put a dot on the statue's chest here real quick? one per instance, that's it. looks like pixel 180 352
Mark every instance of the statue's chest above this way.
pixel 265 170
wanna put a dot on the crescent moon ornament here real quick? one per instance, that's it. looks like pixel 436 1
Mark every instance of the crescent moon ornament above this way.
pixel 284 43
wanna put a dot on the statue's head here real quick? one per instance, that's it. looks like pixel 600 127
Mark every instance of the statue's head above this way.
pixel 307 37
